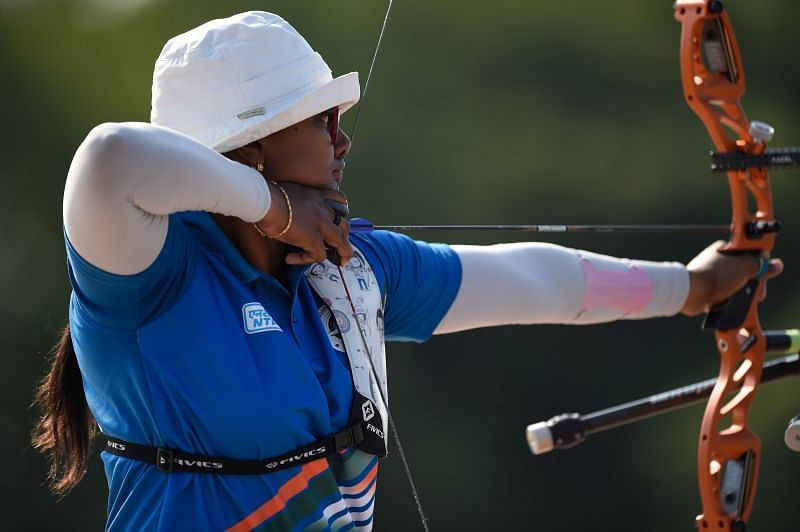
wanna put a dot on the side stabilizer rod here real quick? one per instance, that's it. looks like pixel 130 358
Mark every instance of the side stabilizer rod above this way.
pixel 567 430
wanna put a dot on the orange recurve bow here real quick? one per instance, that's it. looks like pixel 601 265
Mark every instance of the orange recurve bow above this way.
pixel 713 84
pixel 729 451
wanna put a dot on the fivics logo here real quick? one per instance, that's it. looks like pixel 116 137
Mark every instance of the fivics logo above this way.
pixel 296 457
pixel 367 410
pixel 115 445
pixel 375 429
pixel 198 463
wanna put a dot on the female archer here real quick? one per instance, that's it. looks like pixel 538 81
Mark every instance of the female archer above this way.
pixel 237 385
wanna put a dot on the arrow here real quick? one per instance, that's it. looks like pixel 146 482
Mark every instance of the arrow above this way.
pixel 362 225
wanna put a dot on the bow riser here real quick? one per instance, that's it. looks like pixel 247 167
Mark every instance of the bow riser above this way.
pixel 713 84
pixel 725 437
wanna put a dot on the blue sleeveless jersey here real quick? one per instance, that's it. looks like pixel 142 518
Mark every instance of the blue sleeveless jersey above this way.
pixel 171 357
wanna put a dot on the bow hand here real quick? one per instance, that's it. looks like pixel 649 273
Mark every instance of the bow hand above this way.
pixel 715 277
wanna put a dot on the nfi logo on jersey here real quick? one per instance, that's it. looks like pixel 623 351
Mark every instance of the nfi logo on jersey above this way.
pixel 257 319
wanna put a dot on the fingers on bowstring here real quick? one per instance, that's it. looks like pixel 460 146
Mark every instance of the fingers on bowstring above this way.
pixel 344 225
pixel 336 238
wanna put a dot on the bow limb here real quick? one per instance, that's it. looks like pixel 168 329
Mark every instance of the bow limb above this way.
pixel 713 84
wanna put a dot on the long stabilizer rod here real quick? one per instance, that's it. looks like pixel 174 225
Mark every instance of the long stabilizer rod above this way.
pixel 567 430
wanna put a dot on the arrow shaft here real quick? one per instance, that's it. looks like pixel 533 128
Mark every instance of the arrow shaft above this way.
pixel 540 228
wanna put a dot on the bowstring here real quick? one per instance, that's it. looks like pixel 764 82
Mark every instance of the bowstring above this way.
pixel 369 75
pixel 390 418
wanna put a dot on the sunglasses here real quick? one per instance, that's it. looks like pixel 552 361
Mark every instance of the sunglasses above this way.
pixel 333 123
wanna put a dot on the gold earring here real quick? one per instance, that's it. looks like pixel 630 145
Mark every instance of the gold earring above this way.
pixel 260 166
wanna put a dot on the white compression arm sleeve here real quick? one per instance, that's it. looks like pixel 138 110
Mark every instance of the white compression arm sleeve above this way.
pixel 530 283
pixel 126 178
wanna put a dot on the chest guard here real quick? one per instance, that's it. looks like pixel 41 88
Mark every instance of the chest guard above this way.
pixel 359 319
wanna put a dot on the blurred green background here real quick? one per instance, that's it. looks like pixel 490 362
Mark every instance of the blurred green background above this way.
pixel 510 111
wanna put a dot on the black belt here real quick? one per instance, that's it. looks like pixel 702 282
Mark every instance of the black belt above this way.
pixel 168 460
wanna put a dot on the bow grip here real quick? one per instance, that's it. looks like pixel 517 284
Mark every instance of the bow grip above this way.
pixel 731 313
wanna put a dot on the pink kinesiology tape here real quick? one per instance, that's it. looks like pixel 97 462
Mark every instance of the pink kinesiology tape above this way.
pixel 631 290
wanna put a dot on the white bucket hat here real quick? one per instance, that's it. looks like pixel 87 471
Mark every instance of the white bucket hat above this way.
pixel 235 80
